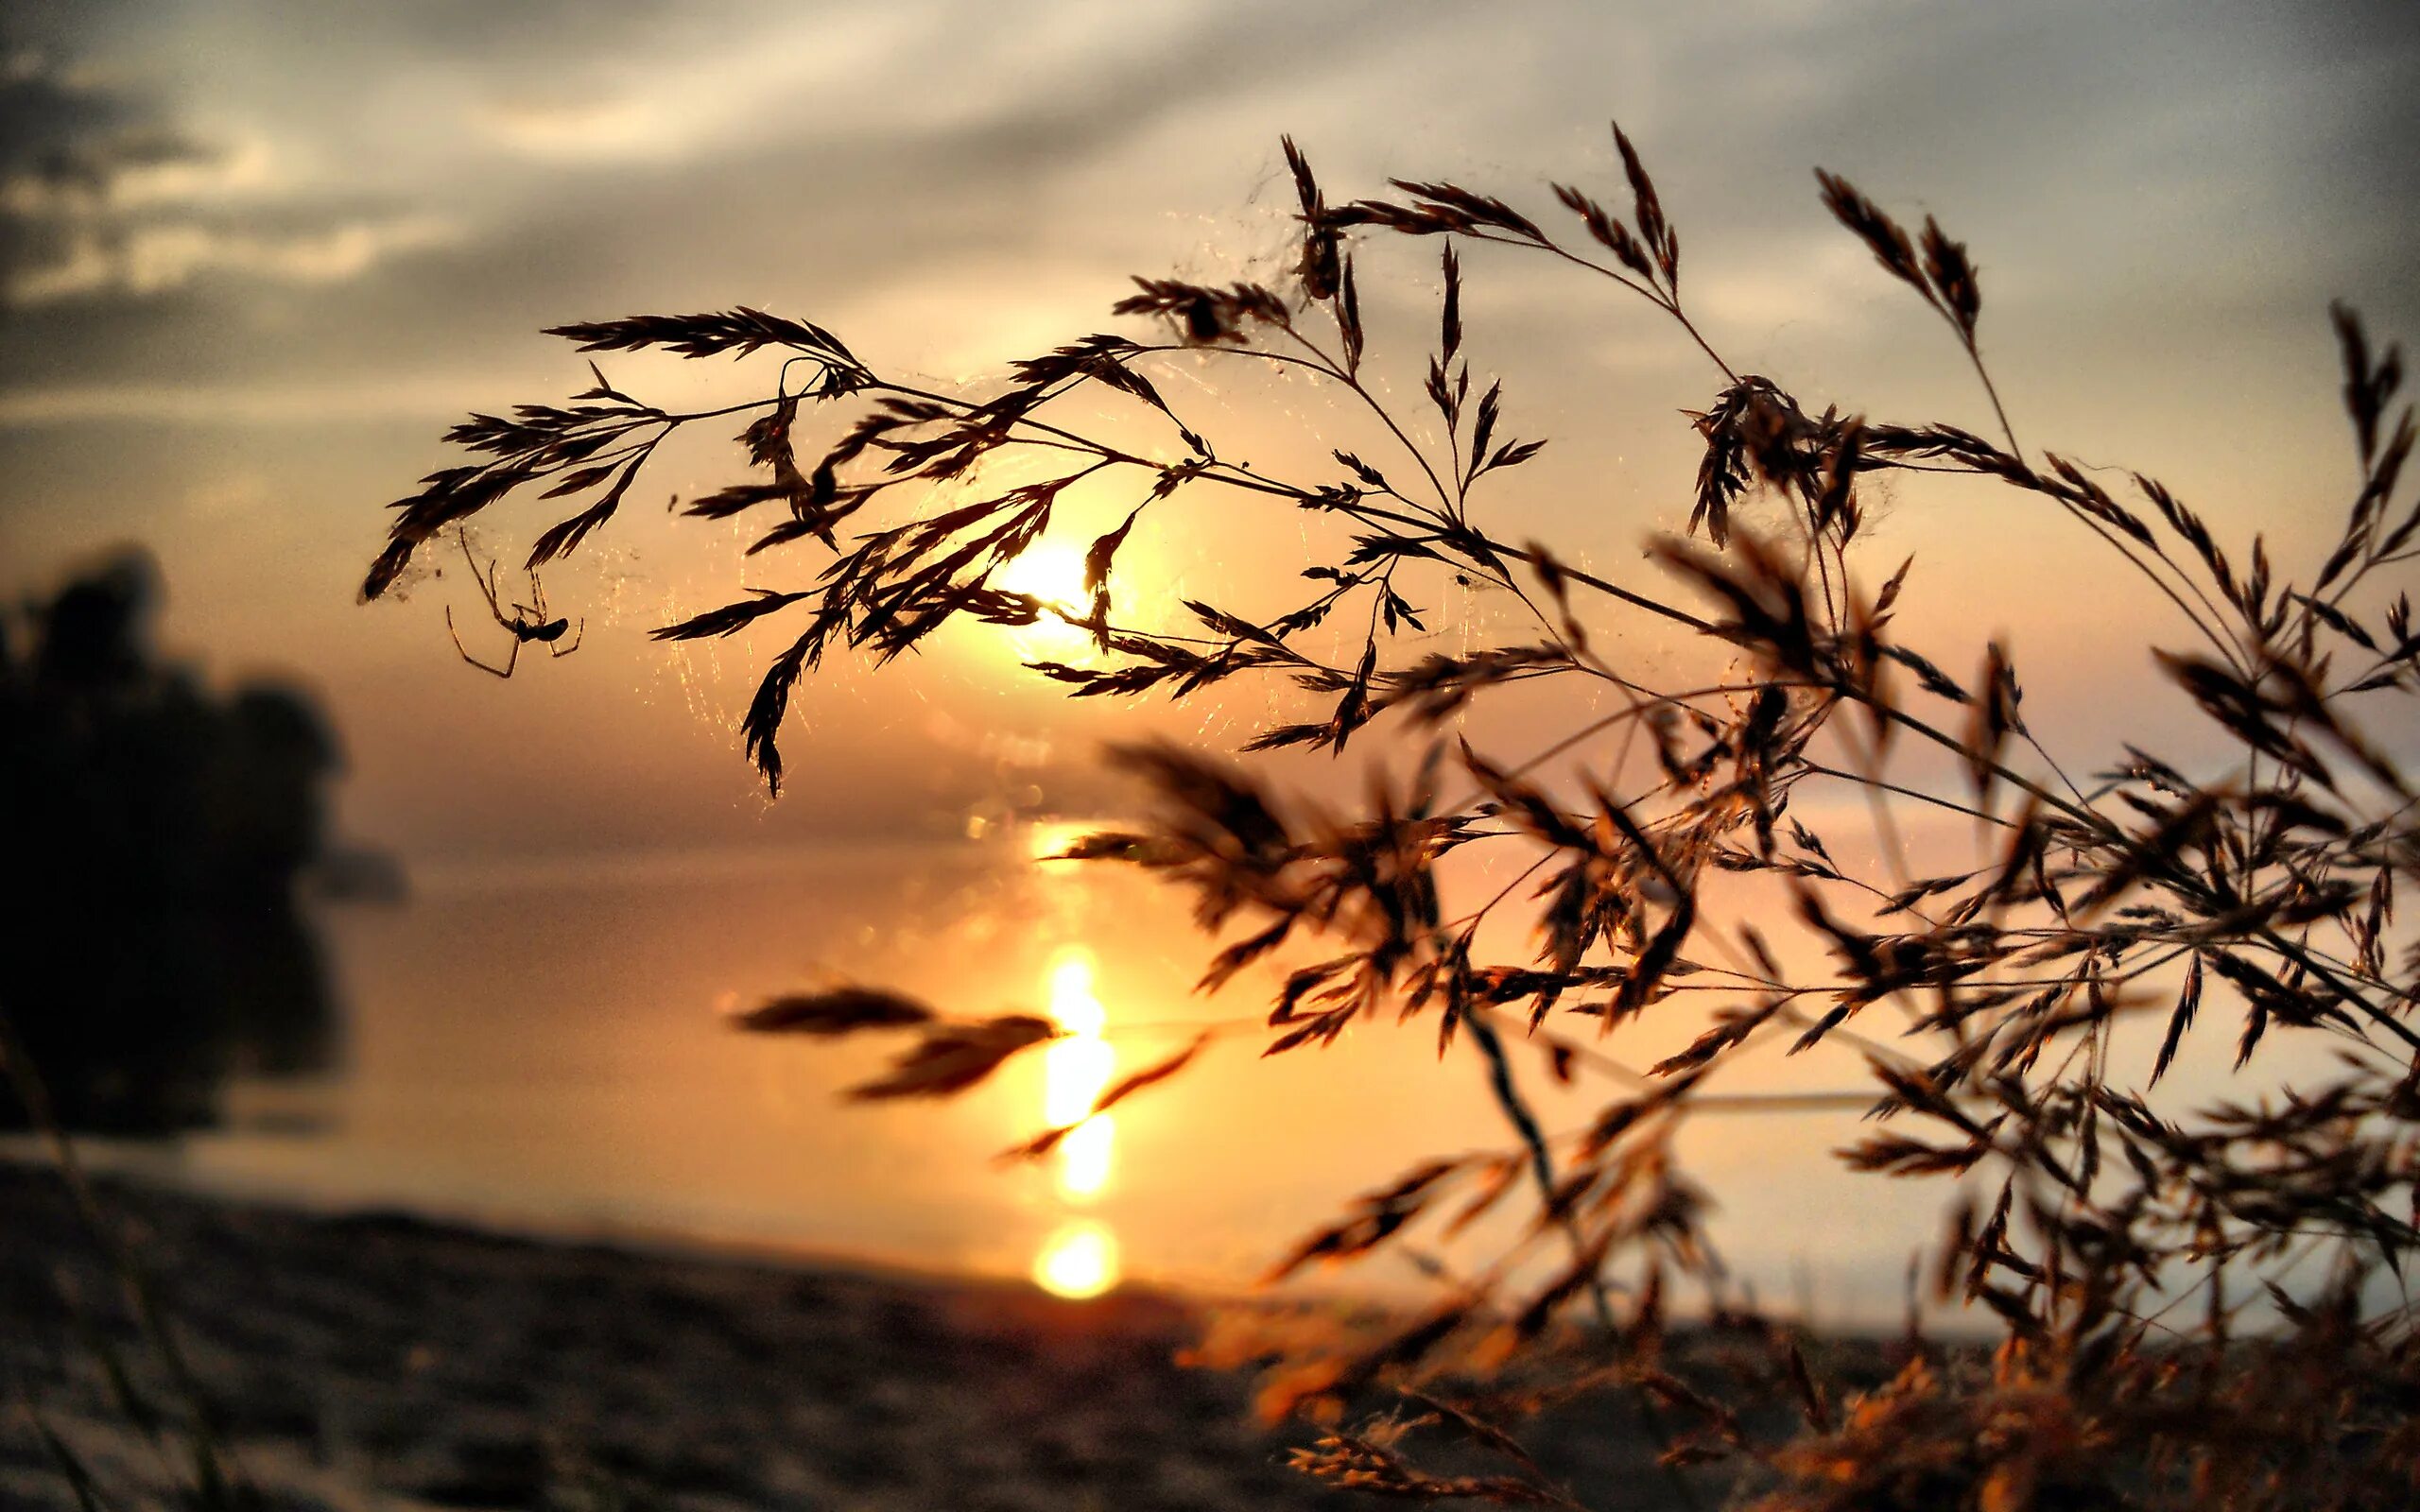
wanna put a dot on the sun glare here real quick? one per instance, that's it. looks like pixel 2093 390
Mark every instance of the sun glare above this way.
pixel 1050 572
pixel 1048 839
pixel 1055 574
pixel 1079 1261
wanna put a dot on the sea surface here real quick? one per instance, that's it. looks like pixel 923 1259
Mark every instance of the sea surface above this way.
pixel 544 1045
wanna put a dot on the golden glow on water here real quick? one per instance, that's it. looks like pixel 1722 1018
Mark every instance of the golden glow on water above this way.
pixel 1075 1071
pixel 1049 839
pixel 1072 1002
pixel 1078 1261
pixel 1080 1258
pixel 1086 1156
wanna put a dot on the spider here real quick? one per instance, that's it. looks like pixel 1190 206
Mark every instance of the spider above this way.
pixel 529 621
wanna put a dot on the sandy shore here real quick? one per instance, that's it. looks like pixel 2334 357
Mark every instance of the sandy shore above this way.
pixel 384 1362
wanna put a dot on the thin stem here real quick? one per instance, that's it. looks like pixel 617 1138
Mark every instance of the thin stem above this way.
pixel 1508 1098
pixel 1353 382
pixel 1951 804
pixel 1991 390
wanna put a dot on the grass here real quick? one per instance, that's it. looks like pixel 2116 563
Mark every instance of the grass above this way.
pixel 188 1441
pixel 2196 1302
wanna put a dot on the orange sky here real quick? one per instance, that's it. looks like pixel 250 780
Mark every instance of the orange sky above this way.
pixel 299 245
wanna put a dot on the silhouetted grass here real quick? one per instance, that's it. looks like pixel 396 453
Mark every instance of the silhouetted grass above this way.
pixel 2195 1304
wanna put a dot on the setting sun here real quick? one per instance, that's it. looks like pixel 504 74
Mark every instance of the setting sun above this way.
pixel 1054 574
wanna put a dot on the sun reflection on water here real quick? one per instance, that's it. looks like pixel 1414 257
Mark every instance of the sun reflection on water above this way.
pixel 1075 1071
pixel 1079 1261
pixel 1081 1258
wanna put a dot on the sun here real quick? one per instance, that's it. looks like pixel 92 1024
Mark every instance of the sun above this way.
pixel 1055 574
pixel 1051 572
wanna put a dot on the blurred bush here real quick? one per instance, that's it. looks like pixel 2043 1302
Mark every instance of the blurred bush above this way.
pixel 156 830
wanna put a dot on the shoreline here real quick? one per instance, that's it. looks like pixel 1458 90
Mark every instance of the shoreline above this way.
pixel 382 1360
pixel 142 1171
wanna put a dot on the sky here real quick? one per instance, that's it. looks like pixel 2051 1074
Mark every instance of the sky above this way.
pixel 254 257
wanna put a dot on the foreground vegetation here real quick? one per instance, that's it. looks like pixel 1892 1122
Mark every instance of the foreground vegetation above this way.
pixel 2195 1301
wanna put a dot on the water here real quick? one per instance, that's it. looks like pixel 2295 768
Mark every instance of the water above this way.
pixel 543 1045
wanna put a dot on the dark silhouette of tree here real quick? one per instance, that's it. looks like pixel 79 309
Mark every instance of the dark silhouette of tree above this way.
pixel 156 830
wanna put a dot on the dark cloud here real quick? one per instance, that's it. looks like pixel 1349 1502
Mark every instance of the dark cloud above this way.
pixel 487 243
pixel 66 148
pixel 107 196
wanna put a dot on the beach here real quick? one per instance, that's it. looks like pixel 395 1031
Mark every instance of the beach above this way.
pixel 379 1361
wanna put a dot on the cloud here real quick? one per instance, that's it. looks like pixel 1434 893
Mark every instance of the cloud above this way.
pixel 148 259
pixel 466 184
pixel 103 195
pixel 423 399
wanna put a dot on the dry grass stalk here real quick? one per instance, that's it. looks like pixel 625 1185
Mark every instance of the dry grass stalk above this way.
pixel 2188 1298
